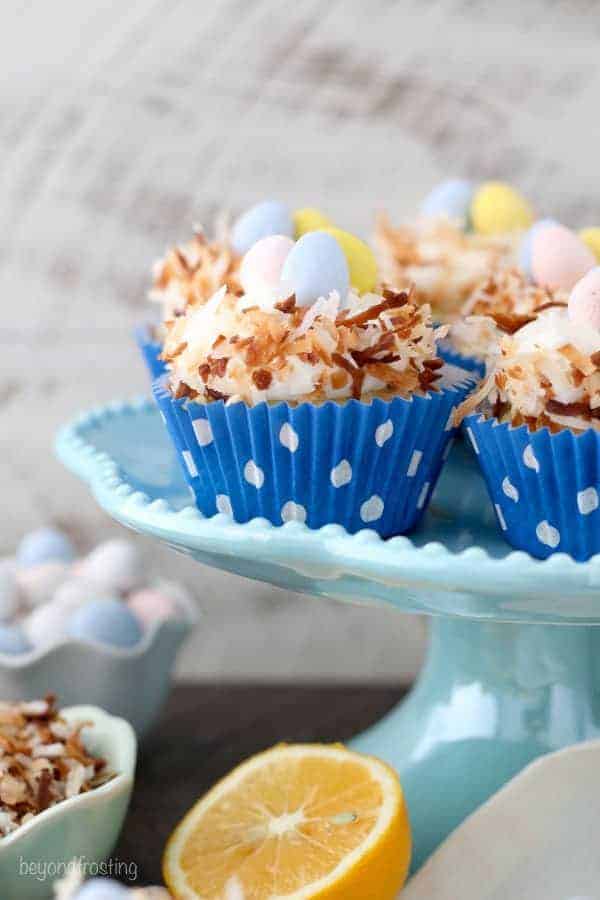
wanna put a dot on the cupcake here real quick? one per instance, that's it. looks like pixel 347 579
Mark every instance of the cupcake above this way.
pixel 534 424
pixel 189 274
pixel 309 397
pixel 499 303
pixel 463 233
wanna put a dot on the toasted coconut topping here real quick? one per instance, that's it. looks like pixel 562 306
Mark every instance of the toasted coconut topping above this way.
pixel 547 373
pixel 442 261
pixel 377 344
pixel 191 273
pixel 500 303
pixel 42 761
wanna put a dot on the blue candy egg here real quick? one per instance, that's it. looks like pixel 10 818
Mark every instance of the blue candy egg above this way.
pixel 102 889
pixel 44 545
pixel 451 198
pixel 526 245
pixel 105 621
pixel 315 266
pixel 13 640
pixel 260 221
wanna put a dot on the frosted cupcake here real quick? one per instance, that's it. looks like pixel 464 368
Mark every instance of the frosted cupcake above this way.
pixel 534 425
pixel 189 274
pixel 464 232
pixel 309 397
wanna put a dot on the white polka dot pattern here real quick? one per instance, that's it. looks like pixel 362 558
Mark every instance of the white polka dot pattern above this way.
pixel 547 534
pixel 189 462
pixel 253 474
pixel 288 437
pixel 203 432
pixel 423 495
pixel 224 505
pixel 293 512
pixel 414 463
pixel 372 509
pixel 509 490
pixel 341 474
pixel 384 432
pixel 587 501
pixel 530 459
pixel 500 515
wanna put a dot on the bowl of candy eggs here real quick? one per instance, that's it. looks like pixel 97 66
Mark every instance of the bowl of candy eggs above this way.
pixel 89 628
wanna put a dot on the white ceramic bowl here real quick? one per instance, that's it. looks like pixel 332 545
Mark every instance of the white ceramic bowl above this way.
pixel 84 827
pixel 132 683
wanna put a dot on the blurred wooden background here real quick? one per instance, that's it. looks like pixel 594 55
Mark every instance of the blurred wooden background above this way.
pixel 123 123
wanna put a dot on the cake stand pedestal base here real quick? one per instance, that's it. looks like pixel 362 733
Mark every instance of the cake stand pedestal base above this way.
pixel 490 699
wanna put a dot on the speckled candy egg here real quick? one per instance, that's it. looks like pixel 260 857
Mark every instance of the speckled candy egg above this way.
pixel 559 258
pixel 37 584
pixel 314 267
pixel 497 208
pixel 362 264
pixel 584 301
pixel 260 221
pixel 310 219
pixel 13 640
pixel 451 198
pixel 9 592
pixel 261 267
pixel 591 238
pixel 151 605
pixel 526 244
pixel 102 889
pixel 114 565
pixel 107 621
pixel 44 545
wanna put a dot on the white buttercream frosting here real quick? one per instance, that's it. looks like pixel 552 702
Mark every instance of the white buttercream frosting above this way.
pixel 236 349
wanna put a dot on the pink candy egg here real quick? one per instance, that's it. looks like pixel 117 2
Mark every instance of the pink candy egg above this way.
pixel 261 266
pixel 151 605
pixel 584 302
pixel 559 258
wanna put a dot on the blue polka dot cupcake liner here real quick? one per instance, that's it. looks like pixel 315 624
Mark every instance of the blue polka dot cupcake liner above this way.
pixel 150 349
pixel 470 363
pixel 545 488
pixel 360 465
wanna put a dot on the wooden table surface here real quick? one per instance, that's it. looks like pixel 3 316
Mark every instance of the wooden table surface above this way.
pixel 207 730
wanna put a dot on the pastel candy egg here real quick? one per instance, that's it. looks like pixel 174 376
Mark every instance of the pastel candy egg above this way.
pixel 76 591
pixel 102 889
pixel 151 605
pixel 310 219
pixel 44 545
pixel 114 565
pixel 526 244
pixel 264 219
pixel 584 301
pixel 37 584
pixel 362 264
pixel 559 258
pixel 315 267
pixel 451 198
pixel 13 640
pixel 9 591
pixel 497 208
pixel 106 621
pixel 261 266
pixel 46 625
pixel 591 238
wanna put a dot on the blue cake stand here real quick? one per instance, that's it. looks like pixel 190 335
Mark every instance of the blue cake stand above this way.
pixel 502 683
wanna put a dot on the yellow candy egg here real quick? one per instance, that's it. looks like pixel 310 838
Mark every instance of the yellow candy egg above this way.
pixel 591 237
pixel 497 208
pixel 309 219
pixel 361 261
